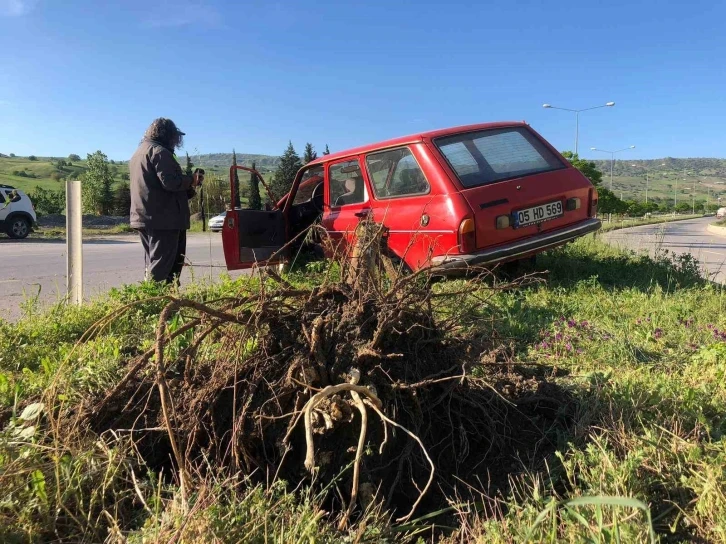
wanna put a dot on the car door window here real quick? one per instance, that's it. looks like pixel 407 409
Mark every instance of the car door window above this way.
pixel 396 173
pixel 311 178
pixel 346 184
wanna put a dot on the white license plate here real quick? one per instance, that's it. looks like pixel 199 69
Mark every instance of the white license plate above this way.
pixel 537 214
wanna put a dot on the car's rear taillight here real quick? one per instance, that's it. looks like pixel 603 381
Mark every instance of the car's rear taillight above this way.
pixel 592 208
pixel 467 236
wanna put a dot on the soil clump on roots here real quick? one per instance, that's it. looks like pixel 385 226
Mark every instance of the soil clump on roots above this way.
pixel 362 380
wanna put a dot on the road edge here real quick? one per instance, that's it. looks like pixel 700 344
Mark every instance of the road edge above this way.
pixel 718 231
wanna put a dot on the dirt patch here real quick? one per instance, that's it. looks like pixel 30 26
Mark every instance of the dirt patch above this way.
pixel 359 380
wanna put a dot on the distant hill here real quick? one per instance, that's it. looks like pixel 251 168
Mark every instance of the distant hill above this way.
pixel 668 178
pixel 698 166
pixel 222 161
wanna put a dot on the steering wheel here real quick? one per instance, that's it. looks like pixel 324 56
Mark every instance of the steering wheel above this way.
pixel 317 197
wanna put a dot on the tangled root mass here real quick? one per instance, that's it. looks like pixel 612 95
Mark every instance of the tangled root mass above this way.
pixel 359 379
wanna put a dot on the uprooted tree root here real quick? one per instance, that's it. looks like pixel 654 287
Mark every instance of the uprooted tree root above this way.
pixel 273 383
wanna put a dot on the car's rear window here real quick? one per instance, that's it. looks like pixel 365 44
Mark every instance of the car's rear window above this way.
pixel 495 155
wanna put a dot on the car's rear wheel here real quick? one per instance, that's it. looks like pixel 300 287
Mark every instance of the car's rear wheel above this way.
pixel 19 228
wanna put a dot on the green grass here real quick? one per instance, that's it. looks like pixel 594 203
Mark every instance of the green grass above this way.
pixel 640 345
pixel 53 233
pixel 624 223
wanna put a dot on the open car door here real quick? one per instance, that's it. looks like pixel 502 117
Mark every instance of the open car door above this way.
pixel 253 237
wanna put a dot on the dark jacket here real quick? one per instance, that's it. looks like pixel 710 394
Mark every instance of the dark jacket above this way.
pixel 160 191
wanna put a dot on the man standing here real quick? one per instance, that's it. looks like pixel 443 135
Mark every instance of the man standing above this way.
pixel 160 194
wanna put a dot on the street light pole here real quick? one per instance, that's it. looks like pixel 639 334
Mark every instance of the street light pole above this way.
pixel 693 198
pixel 646 180
pixel 612 159
pixel 577 117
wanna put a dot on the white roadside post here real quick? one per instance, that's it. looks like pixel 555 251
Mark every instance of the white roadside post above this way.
pixel 74 243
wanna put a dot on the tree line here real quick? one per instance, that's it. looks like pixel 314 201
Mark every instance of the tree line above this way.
pixel 100 197
pixel 608 202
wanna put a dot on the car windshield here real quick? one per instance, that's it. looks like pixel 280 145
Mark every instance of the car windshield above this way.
pixel 488 156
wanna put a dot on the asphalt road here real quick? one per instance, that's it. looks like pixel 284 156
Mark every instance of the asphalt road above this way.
pixel 37 267
pixel 688 236
pixel 33 265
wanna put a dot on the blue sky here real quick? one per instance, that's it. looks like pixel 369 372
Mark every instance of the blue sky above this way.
pixel 84 75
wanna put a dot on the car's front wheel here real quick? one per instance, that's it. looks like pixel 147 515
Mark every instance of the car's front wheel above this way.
pixel 19 228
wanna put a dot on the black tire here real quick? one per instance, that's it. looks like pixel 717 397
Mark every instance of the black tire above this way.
pixel 18 228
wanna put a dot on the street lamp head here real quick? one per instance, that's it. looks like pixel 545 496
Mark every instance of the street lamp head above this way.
pixel 546 105
pixel 593 149
pixel 610 104
pixel 632 147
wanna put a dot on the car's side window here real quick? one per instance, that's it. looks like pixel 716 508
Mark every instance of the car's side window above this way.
pixel 346 184
pixel 396 173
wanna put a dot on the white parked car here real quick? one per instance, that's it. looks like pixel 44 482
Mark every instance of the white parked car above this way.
pixel 17 215
pixel 217 222
pixel 721 213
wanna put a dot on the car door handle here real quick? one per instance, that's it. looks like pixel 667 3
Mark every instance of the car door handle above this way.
pixel 362 213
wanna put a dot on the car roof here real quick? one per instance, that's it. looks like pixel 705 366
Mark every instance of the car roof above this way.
pixel 414 138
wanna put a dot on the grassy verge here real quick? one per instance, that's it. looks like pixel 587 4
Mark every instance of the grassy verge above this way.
pixel 60 232
pixel 638 344
pixel 617 224
pixel 721 223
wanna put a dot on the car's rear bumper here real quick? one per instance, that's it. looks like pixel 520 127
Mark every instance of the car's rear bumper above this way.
pixel 534 244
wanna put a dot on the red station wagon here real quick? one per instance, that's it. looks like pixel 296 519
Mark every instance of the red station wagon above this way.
pixel 450 199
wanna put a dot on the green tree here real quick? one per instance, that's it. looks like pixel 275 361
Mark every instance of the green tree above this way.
pixel 32 158
pixel 98 197
pixel 309 155
pixel 607 202
pixel 236 203
pixel 189 170
pixel 327 151
pixel 285 174
pixel 74 158
pixel 122 199
pixel 12 155
pixel 254 201
pixel 588 168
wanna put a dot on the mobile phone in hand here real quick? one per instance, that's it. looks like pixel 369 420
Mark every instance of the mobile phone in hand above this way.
pixel 200 172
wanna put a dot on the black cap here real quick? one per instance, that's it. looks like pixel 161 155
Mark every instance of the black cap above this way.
pixel 180 132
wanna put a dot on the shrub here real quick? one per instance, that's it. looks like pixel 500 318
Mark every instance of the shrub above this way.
pixel 47 201
pixel 32 158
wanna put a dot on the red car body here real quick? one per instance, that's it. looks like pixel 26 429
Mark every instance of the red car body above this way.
pixel 449 199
